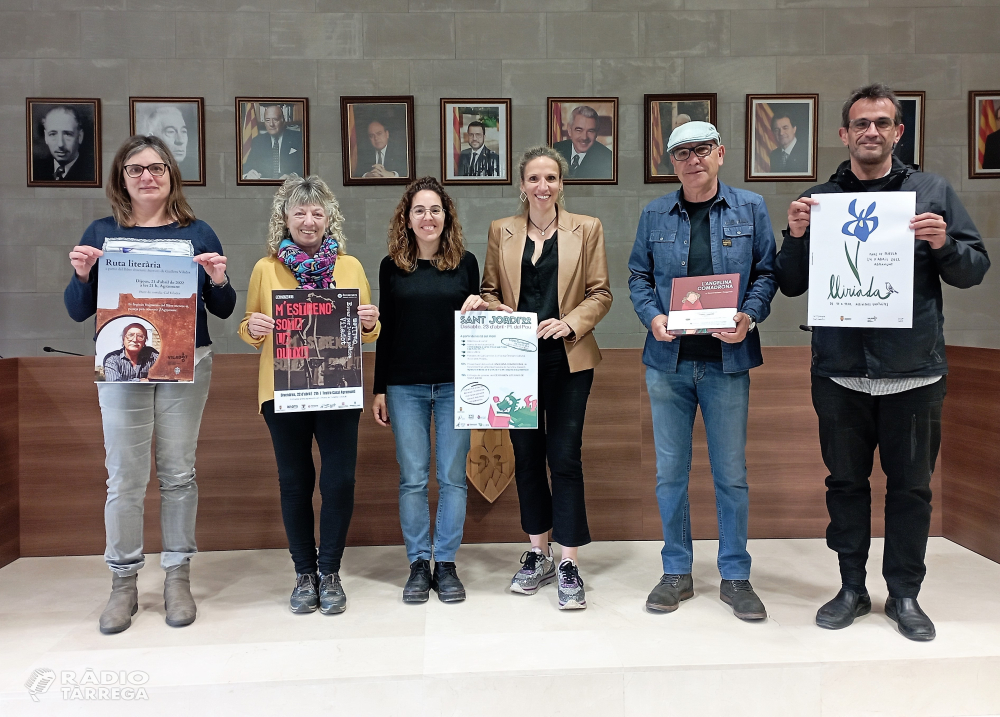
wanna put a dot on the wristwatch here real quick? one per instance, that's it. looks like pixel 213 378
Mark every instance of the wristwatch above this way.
pixel 218 286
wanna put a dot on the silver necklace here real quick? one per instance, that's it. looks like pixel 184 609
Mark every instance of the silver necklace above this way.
pixel 542 231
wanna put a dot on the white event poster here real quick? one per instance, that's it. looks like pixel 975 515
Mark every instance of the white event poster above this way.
pixel 861 260
pixel 496 370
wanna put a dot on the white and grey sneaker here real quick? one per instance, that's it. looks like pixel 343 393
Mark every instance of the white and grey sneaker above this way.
pixel 571 593
pixel 536 570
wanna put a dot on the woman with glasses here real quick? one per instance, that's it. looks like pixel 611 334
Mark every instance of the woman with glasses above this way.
pixel 422 283
pixel 550 262
pixel 144 188
pixel 306 249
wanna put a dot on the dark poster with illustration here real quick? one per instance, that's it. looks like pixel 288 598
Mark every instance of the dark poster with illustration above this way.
pixel 317 350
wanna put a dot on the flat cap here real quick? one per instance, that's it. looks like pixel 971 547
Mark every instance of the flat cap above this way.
pixel 693 132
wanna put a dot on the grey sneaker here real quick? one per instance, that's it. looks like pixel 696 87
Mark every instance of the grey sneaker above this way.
pixel 304 597
pixel 669 592
pixel 571 594
pixel 332 599
pixel 536 570
pixel 740 594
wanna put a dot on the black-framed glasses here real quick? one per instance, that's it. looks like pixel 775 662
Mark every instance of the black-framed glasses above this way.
pixel 681 154
pixel 434 211
pixel 882 124
pixel 156 169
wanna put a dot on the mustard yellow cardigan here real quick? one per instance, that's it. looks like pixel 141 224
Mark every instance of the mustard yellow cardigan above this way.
pixel 270 273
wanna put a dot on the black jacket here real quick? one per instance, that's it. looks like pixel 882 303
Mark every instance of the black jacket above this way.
pixel 488 164
pixel 894 353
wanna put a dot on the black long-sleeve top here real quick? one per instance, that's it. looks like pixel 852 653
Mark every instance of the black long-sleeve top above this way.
pixel 417 311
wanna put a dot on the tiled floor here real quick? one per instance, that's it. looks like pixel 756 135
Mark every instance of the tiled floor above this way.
pixel 498 653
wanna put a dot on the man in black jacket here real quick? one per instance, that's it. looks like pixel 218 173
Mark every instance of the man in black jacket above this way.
pixel 478 160
pixel 883 387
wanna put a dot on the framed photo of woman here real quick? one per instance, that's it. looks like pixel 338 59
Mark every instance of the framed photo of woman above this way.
pixel 984 134
pixel 180 123
pixel 584 130
pixel 781 138
pixel 377 140
pixel 475 141
pixel 663 114
pixel 272 139
pixel 64 142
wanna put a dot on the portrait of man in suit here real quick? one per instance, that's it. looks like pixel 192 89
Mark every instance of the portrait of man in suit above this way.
pixel 792 152
pixel 478 160
pixel 178 124
pixel 385 158
pixel 63 148
pixel 587 158
pixel 991 153
pixel 277 152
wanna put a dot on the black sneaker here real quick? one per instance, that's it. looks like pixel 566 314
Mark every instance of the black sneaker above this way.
pixel 332 599
pixel 305 597
pixel 446 583
pixel 669 592
pixel 418 586
pixel 746 605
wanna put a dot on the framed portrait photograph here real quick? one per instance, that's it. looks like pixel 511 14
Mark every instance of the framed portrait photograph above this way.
pixel 272 139
pixel 781 138
pixel 180 123
pixel 984 134
pixel 663 114
pixel 910 148
pixel 584 130
pixel 475 141
pixel 64 142
pixel 377 139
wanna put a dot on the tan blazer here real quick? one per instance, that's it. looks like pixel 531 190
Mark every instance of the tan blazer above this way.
pixel 584 289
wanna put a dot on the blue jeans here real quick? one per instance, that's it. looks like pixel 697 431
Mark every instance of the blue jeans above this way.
pixel 724 400
pixel 410 408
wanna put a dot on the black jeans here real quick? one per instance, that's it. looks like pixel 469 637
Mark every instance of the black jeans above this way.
pixel 336 434
pixel 562 407
pixel 906 427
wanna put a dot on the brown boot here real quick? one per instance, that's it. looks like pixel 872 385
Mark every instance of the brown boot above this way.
pixel 177 598
pixel 122 605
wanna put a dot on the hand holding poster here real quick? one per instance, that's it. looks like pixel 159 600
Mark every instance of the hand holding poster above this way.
pixel 317 350
pixel 147 304
pixel 496 370
pixel 861 260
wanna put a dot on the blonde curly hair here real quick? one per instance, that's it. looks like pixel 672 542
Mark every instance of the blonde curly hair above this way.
pixel 296 192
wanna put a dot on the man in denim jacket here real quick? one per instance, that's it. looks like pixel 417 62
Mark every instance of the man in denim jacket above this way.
pixel 702 229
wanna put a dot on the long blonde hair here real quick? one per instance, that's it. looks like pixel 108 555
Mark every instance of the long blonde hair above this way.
pixel 178 208
pixel 296 192
pixel 403 243
pixel 534 153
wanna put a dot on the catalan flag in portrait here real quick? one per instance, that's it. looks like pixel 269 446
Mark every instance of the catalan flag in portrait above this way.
pixel 353 139
pixel 557 123
pixel 456 141
pixel 249 129
pixel 763 138
pixel 987 125
pixel 655 138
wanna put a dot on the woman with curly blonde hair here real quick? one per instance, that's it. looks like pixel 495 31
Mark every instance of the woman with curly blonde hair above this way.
pixel 422 282
pixel 307 250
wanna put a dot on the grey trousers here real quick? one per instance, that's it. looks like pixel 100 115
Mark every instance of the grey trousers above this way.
pixel 132 413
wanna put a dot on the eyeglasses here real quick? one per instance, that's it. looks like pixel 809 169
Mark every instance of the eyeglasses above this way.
pixel 157 169
pixel 702 150
pixel 434 211
pixel 862 124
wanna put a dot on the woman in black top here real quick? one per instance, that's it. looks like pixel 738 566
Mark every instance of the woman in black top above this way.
pixel 424 280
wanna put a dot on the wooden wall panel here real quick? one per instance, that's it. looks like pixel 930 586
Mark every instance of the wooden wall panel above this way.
pixel 970 450
pixel 10 526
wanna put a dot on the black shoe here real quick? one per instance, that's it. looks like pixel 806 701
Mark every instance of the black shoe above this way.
pixel 669 592
pixel 445 581
pixel 746 605
pixel 418 586
pixel 841 611
pixel 910 619
pixel 305 597
pixel 332 599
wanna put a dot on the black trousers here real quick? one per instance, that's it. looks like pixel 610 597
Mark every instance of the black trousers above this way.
pixel 336 433
pixel 906 428
pixel 562 407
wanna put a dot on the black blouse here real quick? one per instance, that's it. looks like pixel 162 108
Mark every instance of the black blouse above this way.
pixel 540 286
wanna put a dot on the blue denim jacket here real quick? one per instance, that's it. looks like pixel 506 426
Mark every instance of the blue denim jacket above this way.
pixel 660 253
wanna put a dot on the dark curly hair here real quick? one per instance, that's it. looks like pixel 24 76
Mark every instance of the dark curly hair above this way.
pixel 403 243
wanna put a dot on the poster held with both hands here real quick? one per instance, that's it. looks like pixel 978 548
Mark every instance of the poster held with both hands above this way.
pixel 861 260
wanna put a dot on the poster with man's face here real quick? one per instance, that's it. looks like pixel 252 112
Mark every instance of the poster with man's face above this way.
pixel 377 139
pixel 272 139
pixel 475 141
pixel 64 142
pixel 585 132
pixel 664 114
pixel 179 122
pixel 984 135
pixel 781 137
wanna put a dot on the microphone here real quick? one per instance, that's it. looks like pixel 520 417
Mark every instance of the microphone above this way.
pixel 50 350
pixel 804 327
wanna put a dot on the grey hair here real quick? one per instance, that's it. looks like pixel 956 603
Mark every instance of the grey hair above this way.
pixel 874 91
pixel 586 111
pixel 296 192
pixel 542 151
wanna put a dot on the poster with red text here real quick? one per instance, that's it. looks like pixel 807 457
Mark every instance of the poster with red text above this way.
pixel 317 350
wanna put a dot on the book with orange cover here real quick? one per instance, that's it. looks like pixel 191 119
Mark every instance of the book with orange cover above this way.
pixel 703 304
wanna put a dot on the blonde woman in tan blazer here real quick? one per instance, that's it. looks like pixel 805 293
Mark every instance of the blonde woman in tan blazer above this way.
pixel 548 261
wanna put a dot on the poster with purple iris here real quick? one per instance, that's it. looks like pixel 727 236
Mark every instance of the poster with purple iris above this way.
pixel 861 260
